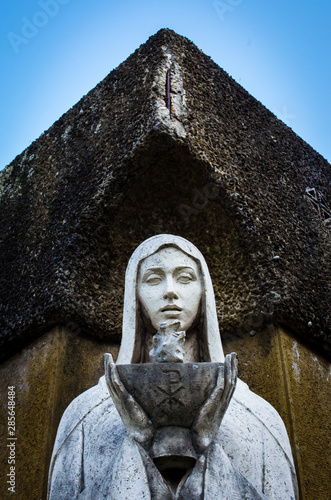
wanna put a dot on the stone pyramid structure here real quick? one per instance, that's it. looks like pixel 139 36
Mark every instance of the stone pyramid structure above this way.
pixel 167 142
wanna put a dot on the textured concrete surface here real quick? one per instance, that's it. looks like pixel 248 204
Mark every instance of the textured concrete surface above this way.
pixel 217 168
pixel 47 376
pixel 296 382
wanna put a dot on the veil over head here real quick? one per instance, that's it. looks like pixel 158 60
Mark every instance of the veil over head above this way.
pixel 131 338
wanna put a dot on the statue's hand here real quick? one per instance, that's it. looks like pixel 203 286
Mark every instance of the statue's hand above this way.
pixel 209 418
pixel 134 418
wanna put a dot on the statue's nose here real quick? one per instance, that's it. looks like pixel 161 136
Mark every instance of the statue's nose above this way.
pixel 170 291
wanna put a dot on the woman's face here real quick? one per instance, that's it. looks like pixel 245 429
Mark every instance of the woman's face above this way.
pixel 170 288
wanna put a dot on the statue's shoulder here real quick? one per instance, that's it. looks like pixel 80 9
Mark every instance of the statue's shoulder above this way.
pixel 263 412
pixel 82 408
pixel 256 404
pixel 83 403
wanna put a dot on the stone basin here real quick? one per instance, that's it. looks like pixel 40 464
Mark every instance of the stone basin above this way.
pixel 170 393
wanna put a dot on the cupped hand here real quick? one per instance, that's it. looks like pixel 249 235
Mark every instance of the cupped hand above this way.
pixel 134 418
pixel 209 418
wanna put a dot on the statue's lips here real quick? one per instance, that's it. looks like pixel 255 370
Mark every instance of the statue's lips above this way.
pixel 171 308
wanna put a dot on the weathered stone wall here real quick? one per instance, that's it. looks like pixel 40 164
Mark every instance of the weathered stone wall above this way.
pixel 296 381
pixel 47 375
pixel 61 364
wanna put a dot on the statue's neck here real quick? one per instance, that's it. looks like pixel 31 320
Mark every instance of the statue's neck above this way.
pixel 192 348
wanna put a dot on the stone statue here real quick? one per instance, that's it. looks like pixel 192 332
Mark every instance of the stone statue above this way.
pixel 170 420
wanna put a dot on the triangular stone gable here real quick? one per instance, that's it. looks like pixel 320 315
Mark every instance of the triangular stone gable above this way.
pixel 166 143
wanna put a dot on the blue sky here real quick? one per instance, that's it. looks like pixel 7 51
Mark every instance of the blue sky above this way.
pixel 55 51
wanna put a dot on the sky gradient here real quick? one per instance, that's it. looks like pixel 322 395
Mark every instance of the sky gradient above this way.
pixel 55 51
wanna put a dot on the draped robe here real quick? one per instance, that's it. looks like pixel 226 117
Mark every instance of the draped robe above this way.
pixel 93 457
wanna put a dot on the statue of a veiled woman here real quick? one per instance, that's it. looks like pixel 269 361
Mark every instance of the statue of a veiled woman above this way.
pixel 237 448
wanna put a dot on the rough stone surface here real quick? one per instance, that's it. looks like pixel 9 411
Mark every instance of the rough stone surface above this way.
pixel 296 381
pixel 168 344
pixel 118 167
pixel 47 375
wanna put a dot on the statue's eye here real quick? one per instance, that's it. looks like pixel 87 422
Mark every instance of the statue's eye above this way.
pixel 154 279
pixel 184 278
